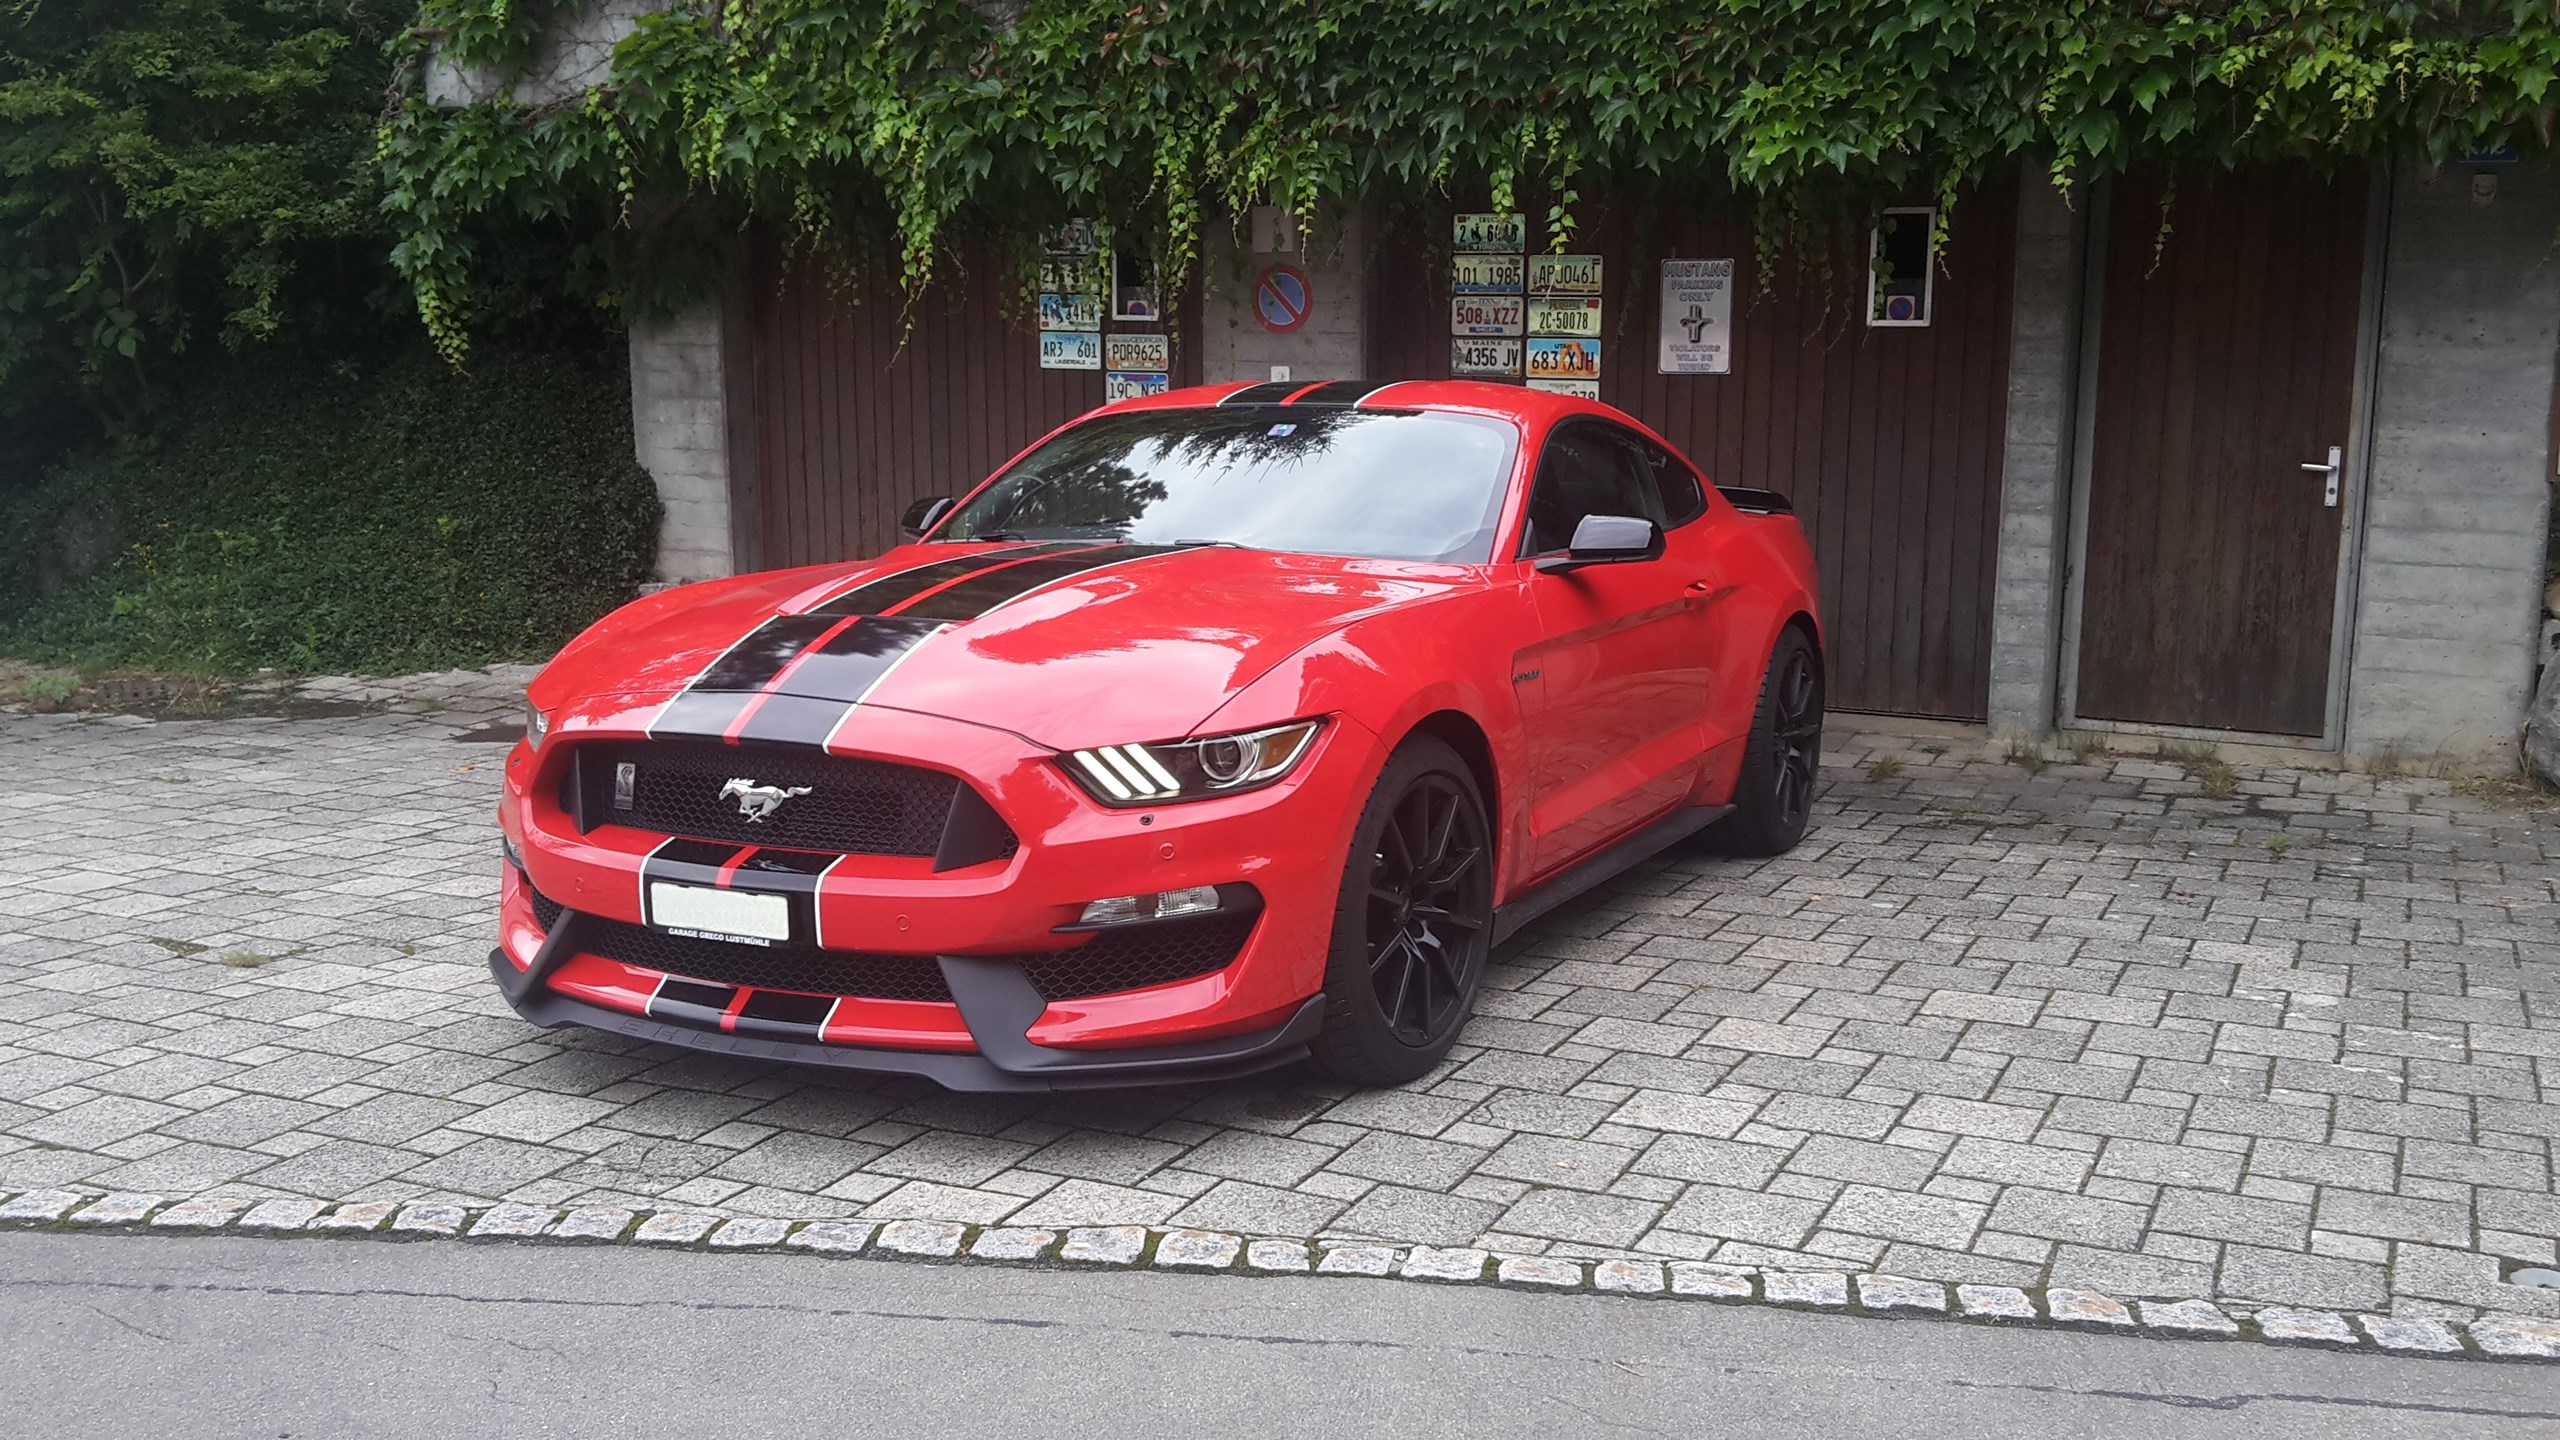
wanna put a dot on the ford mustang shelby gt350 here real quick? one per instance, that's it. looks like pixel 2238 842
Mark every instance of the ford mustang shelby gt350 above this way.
pixel 1219 730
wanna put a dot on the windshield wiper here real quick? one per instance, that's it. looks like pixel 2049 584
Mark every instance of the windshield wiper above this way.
pixel 1221 544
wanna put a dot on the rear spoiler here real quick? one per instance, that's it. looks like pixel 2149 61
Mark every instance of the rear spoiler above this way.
pixel 1756 502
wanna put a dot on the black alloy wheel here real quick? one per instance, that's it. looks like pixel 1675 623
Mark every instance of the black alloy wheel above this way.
pixel 1414 922
pixel 1782 762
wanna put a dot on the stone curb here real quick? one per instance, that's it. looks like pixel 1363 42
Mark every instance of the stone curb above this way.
pixel 1104 1247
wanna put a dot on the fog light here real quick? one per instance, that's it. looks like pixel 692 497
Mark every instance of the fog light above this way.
pixel 1163 905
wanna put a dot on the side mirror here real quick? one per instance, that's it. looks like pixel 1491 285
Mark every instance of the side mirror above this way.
pixel 923 516
pixel 1606 540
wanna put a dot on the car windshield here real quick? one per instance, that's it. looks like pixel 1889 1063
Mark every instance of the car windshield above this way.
pixel 1389 485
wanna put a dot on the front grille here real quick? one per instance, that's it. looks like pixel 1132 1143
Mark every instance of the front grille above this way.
pixel 1113 960
pixel 1138 956
pixel 853 807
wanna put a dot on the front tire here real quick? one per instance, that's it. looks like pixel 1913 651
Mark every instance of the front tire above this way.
pixel 1773 799
pixel 1413 922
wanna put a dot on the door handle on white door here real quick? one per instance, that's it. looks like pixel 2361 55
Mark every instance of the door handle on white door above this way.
pixel 2337 457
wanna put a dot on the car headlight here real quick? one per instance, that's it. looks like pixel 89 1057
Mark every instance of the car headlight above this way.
pixel 1164 771
pixel 536 725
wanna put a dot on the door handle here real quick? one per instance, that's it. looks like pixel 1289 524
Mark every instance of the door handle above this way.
pixel 2337 456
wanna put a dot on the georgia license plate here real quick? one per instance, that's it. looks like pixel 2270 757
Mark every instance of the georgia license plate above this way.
pixel 727 914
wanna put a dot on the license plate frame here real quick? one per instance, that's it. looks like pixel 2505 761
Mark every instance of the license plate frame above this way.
pixel 749 915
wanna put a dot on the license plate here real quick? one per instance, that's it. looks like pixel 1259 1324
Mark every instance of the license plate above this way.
pixel 739 914
pixel 1566 315
pixel 1490 234
pixel 1070 350
pixel 1486 274
pixel 1484 357
pixel 1070 312
pixel 1484 315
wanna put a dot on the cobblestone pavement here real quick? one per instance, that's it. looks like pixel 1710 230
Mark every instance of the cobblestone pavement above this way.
pixel 2076 1027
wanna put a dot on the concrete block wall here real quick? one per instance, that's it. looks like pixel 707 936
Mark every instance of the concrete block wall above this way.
pixel 1331 345
pixel 573 52
pixel 680 388
pixel 2035 470
pixel 2449 590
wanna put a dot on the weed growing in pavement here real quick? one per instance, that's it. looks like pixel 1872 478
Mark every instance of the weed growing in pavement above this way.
pixel 52 689
pixel 2023 750
pixel 2187 755
pixel 244 959
pixel 2220 779
pixel 1883 767
pixel 2279 842
pixel 177 947
pixel 2081 744
pixel 1933 751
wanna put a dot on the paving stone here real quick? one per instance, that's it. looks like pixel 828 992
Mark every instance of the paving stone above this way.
pixel 1886 1294
pixel 1357 1260
pixel 2516 1337
pixel 1012 1242
pixel 2410 1335
pixel 2085 1307
pixel 1815 1288
pixel 1426 1262
pixel 41 1205
pixel 358 1215
pixel 1538 1270
pixel 1105 1244
pixel 593 1222
pixel 920 1237
pixel 1628 1277
pixel 750 1232
pixel 831 1237
pixel 675 1227
pixel 1198 1250
pixel 511 1221
pixel 202 1212
pixel 120 1208
pixel 2187 1317
pixel 281 1214
pixel 1284 1256
pixel 2305 1327
pixel 426 1220
pixel 1995 1302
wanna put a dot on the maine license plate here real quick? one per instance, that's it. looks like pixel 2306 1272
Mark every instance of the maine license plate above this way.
pixel 1484 315
pixel 724 914
pixel 1484 357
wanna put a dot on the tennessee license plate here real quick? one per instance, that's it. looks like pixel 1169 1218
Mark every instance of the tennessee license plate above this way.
pixel 727 914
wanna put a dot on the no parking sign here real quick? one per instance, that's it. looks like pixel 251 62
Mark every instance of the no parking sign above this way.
pixel 1282 297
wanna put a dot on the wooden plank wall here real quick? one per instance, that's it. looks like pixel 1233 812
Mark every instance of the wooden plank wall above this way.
pixel 852 425
pixel 1889 440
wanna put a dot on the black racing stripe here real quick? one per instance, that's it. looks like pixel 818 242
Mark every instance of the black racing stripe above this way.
pixel 752 663
pixel 792 874
pixel 890 591
pixel 1339 392
pixel 692 857
pixel 1270 392
pixel 700 714
pixel 785 862
pixel 854 659
pixel 973 598
pixel 691 1002
pixel 793 720
pixel 783 1015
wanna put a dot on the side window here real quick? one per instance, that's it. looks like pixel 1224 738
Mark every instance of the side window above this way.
pixel 1585 470
pixel 1683 497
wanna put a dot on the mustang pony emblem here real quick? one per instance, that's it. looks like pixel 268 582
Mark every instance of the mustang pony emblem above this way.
pixel 757 802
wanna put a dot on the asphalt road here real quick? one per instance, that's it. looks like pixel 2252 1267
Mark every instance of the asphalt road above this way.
pixel 128 1334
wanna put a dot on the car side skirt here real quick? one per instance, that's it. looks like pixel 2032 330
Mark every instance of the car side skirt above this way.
pixel 1583 874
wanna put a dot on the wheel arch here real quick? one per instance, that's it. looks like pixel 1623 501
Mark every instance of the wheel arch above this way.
pixel 1460 732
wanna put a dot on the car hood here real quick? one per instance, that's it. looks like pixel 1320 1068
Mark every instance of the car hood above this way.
pixel 1065 646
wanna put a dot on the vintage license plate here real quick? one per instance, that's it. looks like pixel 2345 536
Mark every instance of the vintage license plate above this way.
pixel 1468 356
pixel 1137 352
pixel 1070 312
pixel 1485 274
pixel 1564 274
pixel 1130 384
pixel 1564 360
pixel 1071 274
pixel 1484 315
pixel 1579 389
pixel 738 914
pixel 1068 350
pixel 1566 315
pixel 1076 237
pixel 1490 234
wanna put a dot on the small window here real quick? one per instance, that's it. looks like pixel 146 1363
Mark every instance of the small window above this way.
pixel 1900 280
pixel 1586 470
pixel 1133 291
pixel 1683 497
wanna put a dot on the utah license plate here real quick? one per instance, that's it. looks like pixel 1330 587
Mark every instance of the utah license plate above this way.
pixel 728 914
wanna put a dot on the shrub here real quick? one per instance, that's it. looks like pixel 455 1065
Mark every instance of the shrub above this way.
pixel 415 518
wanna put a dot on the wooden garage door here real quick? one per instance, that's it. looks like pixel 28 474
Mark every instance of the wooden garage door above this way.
pixel 1888 440
pixel 856 415
pixel 2227 354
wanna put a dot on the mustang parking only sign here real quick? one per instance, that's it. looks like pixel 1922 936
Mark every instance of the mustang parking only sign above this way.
pixel 1282 297
pixel 1697 317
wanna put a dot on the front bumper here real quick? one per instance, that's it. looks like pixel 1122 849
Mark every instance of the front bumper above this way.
pixel 994 1031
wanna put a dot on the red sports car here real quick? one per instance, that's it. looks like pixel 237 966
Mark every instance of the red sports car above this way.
pixel 1219 730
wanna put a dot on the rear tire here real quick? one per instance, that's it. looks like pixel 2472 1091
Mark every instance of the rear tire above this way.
pixel 1413 921
pixel 1773 799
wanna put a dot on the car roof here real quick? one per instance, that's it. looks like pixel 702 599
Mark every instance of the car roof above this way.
pixel 1517 403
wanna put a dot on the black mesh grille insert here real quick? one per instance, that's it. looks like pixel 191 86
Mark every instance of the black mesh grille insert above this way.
pixel 1113 960
pixel 1138 956
pixel 856 807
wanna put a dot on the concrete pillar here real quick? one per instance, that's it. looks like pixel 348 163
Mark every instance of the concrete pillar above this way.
pixel 680 430
pixel 2449 590
pixel 1331 345
pixel 2035 467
